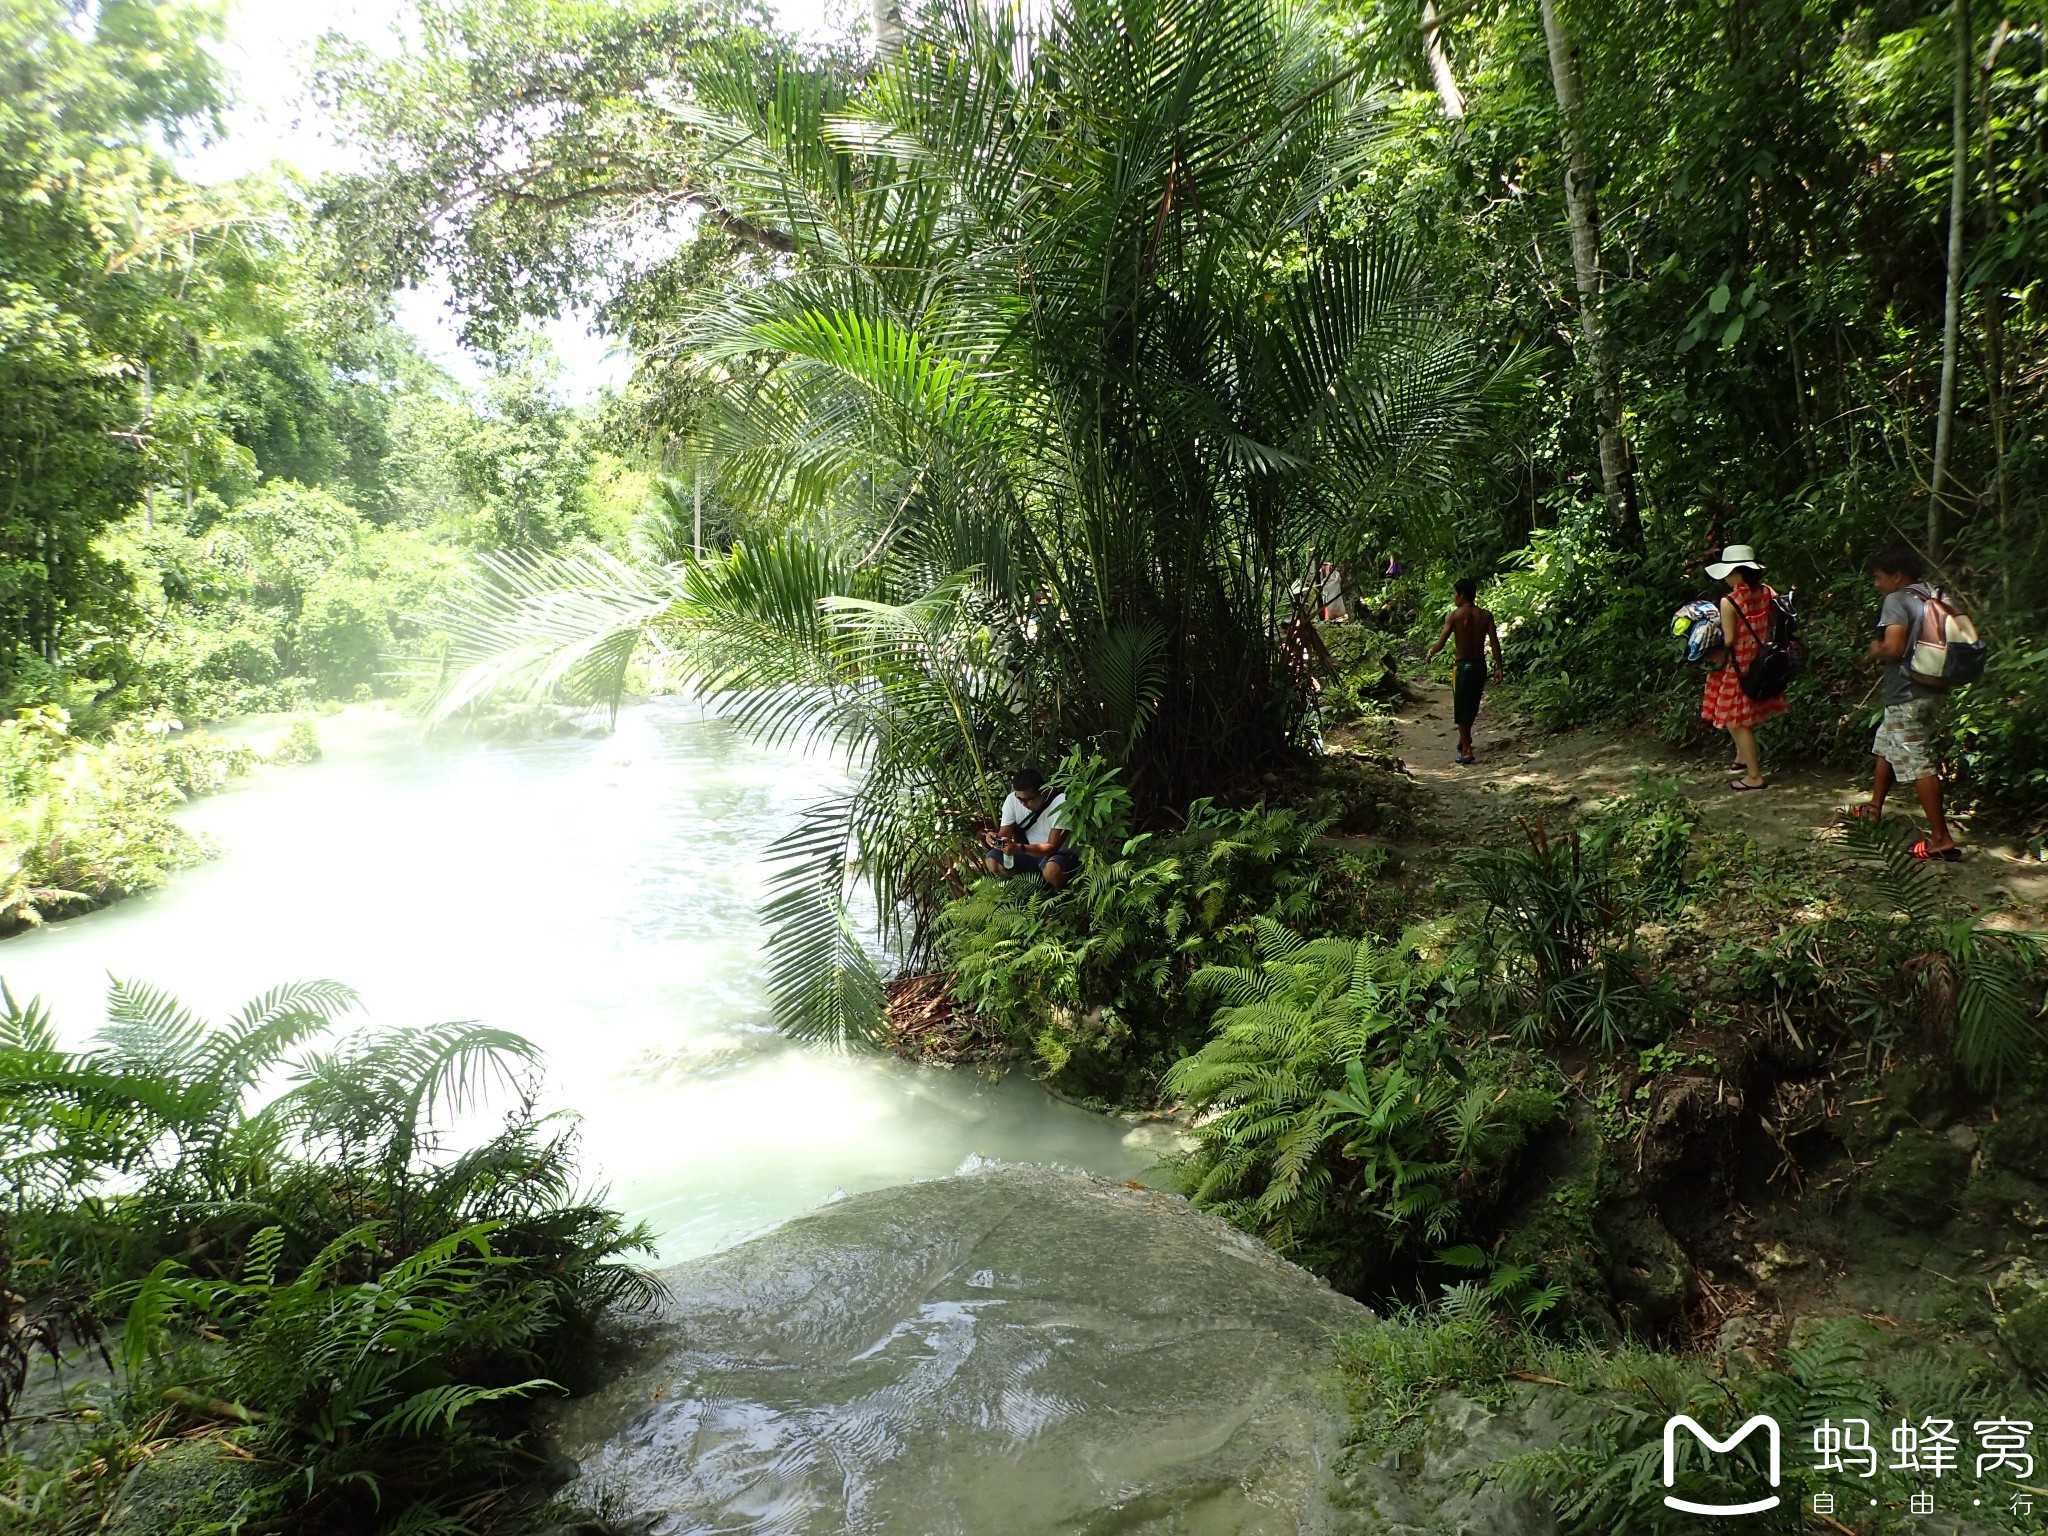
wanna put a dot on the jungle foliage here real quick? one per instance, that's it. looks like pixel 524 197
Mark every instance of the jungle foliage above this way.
pixel 1776 180
pixel 234 483
pixel 84 821
pixel 1056 428
pixel 306 1303
pixel 1596 1459
pixel 1394 1111
pixel 1339 1112
pixel 1094 980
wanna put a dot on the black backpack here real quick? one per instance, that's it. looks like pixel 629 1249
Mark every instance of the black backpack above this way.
pixel 1780 656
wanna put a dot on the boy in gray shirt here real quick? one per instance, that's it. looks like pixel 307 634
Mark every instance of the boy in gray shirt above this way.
pixel 1904 746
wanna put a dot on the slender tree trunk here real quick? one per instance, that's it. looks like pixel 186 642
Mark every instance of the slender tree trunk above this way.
pixel 1805 425
pixel 888 19
pixel 1952 310
pixel 1583 210
pixel 1994 304
pixel 148 422
pixel 1440 63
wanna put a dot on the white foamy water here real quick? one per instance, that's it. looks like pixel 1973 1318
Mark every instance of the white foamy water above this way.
pixel 598 896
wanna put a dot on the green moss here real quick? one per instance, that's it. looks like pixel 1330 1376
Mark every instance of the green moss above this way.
pixel 186 1486
pixel 2018 1142
pixel 1646 1270
pixel 1925 1091
pixel 1918 1180
pixel 2025 1333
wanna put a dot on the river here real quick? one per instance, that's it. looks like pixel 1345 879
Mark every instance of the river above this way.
pixel 597 895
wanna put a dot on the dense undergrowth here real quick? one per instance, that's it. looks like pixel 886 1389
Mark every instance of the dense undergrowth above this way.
pixel 83 821
pixel 1531 1071
pixel 1093 982
pixel 1598 1464
pixel 227 1305
pixel 1533 1099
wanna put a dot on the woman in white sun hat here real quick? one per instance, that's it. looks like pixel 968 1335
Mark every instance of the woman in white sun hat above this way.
pixel 1745 622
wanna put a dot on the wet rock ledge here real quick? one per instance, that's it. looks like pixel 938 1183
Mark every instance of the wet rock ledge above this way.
pixel 1015 1350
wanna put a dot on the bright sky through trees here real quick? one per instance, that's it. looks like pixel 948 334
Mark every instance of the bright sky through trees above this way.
pixel 267 48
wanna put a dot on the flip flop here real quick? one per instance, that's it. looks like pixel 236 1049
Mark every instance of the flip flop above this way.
pixel 1864 812
pixel 1920 850
pixel 1467 761
pixel 1745 788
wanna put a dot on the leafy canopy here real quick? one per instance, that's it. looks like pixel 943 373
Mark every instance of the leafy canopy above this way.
pixel 1058 385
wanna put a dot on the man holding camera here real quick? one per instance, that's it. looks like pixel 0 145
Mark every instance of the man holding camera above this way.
pixel 1033 834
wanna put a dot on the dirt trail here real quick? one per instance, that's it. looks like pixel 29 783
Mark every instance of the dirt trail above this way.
pixel 1526 771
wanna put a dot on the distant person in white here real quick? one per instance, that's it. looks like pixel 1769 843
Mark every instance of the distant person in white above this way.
pixel 1033 836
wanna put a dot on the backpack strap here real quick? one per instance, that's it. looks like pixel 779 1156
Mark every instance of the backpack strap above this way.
pixel 1056 798
pixel 1734 657
pixel 1934 612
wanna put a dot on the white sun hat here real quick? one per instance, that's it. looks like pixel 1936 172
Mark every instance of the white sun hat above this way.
pixel 1731 557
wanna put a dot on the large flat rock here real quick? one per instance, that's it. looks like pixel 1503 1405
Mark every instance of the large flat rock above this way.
pixel 1015 1350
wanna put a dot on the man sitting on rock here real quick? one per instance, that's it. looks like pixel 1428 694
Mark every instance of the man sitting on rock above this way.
pixel 1033 835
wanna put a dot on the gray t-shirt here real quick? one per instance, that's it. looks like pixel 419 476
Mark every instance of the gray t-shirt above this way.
pixel 1904 606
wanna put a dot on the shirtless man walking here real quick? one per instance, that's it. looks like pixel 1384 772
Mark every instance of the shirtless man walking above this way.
pixel 1474 630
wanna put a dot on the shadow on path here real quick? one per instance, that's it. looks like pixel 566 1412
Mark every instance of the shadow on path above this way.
pixel 1525 771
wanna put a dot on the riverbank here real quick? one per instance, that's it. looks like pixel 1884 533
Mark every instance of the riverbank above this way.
pixel 87 822
pixel 1795 1132
pixel 1781 1140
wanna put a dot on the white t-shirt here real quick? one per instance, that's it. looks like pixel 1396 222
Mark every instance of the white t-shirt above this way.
pixel 1016 813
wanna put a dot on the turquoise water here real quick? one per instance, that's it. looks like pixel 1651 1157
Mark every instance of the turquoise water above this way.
pixel 597 895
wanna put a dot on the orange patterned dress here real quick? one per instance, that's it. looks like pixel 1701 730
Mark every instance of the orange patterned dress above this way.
pixel 1726 704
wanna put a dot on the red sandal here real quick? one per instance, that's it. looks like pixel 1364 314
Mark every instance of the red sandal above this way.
pixel 1864 812
pixel 1920 850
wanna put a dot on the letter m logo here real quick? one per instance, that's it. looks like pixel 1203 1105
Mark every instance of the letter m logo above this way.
pixel 1762 1421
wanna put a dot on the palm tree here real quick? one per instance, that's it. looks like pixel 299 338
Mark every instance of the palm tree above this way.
pixel 1065 384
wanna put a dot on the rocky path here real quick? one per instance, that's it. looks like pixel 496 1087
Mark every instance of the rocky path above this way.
pixel 1526 771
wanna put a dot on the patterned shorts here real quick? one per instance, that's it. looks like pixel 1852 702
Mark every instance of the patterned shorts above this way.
pixel 1906 739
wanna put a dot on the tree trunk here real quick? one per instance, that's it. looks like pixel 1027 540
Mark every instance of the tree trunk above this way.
pixel 888 18
pixel 1952 310
pixel 148 423
pixel 1994 305
pixel 1440 63
pixel 1583 209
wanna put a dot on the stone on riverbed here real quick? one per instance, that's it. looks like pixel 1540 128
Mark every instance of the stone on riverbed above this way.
pixel 1016 1350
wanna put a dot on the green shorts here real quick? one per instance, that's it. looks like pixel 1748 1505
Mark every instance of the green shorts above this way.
pixel 1466 688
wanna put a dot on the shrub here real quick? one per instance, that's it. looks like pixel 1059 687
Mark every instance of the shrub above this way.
pixel 1649 834
pixel 1978 985
pixel 1999 729
pixel 344 1302
pixel 1091 979
pixel 301 744
pixel 1340 1115
pixel 1556 924
pixel 1365 681
pixel 84 822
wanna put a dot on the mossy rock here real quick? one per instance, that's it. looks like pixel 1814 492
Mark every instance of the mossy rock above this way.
pixel 1918 1180
pixel 2018 1143
pixel 1997 1197
pixel 2025 1333
pixel 187 1485
pixel 1646 1270
pixel 1924 1090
